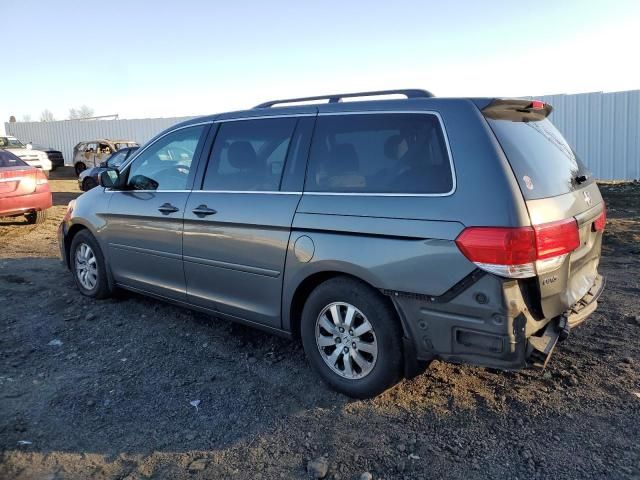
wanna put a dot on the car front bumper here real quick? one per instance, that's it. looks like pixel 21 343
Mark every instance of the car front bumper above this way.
pixel 43 164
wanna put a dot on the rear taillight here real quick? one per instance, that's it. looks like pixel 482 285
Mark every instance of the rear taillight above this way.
pixel 537 105
pixel 600 222
pixel 41 178
pixel 520 252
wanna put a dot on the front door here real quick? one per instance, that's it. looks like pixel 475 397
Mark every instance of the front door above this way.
pixel 237 225
pixel 144 221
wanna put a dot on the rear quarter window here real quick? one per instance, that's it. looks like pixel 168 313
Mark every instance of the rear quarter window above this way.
pixel 542 160
pixel 402 153
pixel 8 159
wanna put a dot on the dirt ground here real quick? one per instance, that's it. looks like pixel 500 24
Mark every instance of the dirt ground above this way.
pixel 109 389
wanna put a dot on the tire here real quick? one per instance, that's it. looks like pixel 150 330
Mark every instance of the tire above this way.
pixel 39 216
pixel 92 282
pixel 79 168
pixel 381 370
pixel 88 183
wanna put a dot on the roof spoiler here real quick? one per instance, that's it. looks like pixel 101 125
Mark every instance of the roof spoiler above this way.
pixel 517 110
pixel 336 98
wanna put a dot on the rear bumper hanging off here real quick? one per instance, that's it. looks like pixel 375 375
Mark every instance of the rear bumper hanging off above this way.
pixel 540 348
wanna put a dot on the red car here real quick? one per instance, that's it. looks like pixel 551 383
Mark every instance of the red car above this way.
pixel 24 189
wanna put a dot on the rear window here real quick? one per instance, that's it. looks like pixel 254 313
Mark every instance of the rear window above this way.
pixel 542 160
pixel 8 159
pixel 379 153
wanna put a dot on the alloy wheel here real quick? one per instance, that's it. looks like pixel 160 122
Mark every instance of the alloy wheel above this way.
pixel 86 266
pixel 346 340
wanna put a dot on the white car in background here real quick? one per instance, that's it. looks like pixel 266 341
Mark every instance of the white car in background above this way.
pixel 26 153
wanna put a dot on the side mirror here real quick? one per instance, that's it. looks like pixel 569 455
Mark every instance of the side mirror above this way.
pixel 29 146
pixel 110 178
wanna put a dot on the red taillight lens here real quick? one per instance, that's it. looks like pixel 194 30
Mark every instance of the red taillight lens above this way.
pixel 556 238
pixel 41 178
pixel 537 105
pixel 492 247
pixel 600 222
pixel 501 246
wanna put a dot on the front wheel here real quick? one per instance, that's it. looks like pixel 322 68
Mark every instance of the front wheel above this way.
pixel 352 337
pixel 80 167
pixel 88 266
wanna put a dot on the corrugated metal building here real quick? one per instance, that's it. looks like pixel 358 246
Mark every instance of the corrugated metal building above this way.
pixel 604 129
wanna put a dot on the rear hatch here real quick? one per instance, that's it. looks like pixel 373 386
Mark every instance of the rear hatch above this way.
pixel 557 189
pixel 16 181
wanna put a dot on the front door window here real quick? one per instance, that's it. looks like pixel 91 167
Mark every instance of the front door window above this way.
pixel 166 164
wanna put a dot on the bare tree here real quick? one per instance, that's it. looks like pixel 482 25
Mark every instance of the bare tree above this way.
pixel 47 116
pixel 26 118
pixel 79 113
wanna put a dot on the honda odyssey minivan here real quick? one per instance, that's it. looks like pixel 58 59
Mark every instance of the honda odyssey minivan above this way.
pixel 381 233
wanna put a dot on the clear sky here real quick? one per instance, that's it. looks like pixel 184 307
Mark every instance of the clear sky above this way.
pixel 143 58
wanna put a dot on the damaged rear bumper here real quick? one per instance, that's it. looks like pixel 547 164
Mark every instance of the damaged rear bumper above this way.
pixel 488 323
pixel 541 347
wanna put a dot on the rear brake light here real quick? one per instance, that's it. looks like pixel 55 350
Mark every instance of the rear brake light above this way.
pixel 600 222
pixel 41 178
pixel 556 238
pixel 537 105
pixel 520 252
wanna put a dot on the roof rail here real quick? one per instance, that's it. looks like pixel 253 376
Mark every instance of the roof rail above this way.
pixel 336 98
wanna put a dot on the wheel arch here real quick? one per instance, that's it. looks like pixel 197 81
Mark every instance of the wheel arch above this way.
pixel 304 287
pixel 68 239
pixel 73 231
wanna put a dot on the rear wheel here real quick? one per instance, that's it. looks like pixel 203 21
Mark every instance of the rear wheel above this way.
pixel 88 266
pixel 352 338
pixel 88 183
pixel 80 167
pixel 36 217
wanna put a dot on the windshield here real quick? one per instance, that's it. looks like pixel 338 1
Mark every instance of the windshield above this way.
pixel 540 157
pixel 117 158
pixel 11 142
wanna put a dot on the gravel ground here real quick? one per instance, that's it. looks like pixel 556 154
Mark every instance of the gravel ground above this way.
pixel 133 388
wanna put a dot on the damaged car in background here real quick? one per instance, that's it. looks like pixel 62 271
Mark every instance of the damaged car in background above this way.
pixel 91 153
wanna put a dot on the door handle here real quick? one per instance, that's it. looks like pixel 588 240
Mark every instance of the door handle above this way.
pixel 167 208
pixel 203 211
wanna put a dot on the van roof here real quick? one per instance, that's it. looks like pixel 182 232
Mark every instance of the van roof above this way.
pixel 420 99
pixel 303 105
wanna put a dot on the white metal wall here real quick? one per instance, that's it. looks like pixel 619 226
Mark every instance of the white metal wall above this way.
pixel 604 129
pixel 64 135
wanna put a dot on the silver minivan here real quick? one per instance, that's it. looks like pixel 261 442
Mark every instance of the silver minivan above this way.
pixel 382 233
